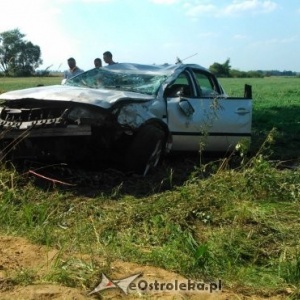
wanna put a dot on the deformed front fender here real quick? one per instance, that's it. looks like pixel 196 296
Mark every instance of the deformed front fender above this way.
pixel 133 115
pixel 137 115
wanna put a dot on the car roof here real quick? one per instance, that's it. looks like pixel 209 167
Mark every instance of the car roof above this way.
pixel 165 69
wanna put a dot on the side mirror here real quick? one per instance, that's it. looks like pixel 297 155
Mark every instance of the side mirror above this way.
pixel 186 107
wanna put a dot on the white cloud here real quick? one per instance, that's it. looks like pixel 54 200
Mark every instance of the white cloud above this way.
pixel 249 6
pixel 196 10
pixel 237 7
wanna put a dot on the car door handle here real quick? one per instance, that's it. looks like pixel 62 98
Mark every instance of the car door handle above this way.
pixel 242 111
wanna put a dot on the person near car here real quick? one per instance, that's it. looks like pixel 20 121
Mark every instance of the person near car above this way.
pixel 98 62
pixel 108 58
pixel 73 69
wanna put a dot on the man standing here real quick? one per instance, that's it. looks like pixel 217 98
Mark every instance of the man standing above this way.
pixel 97 62
pixel 107 57
pixel 73 71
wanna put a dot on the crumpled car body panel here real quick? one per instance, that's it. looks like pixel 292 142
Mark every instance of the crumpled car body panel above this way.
pixel 97 97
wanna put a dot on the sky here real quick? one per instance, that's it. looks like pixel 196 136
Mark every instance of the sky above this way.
pixel 253 34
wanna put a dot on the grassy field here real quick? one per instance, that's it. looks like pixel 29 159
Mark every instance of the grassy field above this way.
pixel 232 218
pixel 12 83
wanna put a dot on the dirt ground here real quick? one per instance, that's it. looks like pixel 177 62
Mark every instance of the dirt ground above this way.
pixel 18 254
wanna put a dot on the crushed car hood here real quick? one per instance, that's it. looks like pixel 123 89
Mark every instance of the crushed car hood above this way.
pixel 99 97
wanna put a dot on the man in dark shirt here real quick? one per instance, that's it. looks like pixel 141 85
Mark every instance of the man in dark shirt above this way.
pixel 107 57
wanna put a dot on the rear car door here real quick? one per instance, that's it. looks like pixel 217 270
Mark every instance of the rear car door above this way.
pixel 201 117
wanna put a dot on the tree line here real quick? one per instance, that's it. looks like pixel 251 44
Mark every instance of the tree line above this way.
pixel 224 70
pixel 19 57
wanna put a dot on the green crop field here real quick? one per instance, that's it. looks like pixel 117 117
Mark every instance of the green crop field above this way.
pixel 233 218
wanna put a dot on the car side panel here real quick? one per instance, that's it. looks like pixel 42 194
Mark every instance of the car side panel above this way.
pixel 217 124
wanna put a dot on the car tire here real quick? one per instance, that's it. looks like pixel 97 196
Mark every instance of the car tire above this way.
pixel 146 150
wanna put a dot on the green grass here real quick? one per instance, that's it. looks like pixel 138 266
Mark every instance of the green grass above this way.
pixel 229 218
pixel 13 83
pixel 239 225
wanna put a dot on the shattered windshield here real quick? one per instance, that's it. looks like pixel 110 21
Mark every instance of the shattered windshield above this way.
pixel 123 80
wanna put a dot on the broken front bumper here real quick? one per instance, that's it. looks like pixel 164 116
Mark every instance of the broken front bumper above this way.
pixel 35 132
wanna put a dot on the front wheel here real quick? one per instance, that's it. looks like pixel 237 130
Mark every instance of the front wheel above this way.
pixel 146 150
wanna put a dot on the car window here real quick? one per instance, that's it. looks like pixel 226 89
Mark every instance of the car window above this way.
pixel 182 79
pixel 206 84
pixel 125 80
pixel 180 87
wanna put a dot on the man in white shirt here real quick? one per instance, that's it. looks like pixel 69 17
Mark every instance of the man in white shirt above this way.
pixel 73 71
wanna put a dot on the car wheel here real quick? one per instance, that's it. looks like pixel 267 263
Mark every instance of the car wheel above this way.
pixel 146 150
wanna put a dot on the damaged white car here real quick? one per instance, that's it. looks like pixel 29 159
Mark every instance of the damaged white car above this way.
pixel 127 112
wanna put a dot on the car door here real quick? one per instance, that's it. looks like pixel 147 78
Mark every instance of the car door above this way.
pixel 201 117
